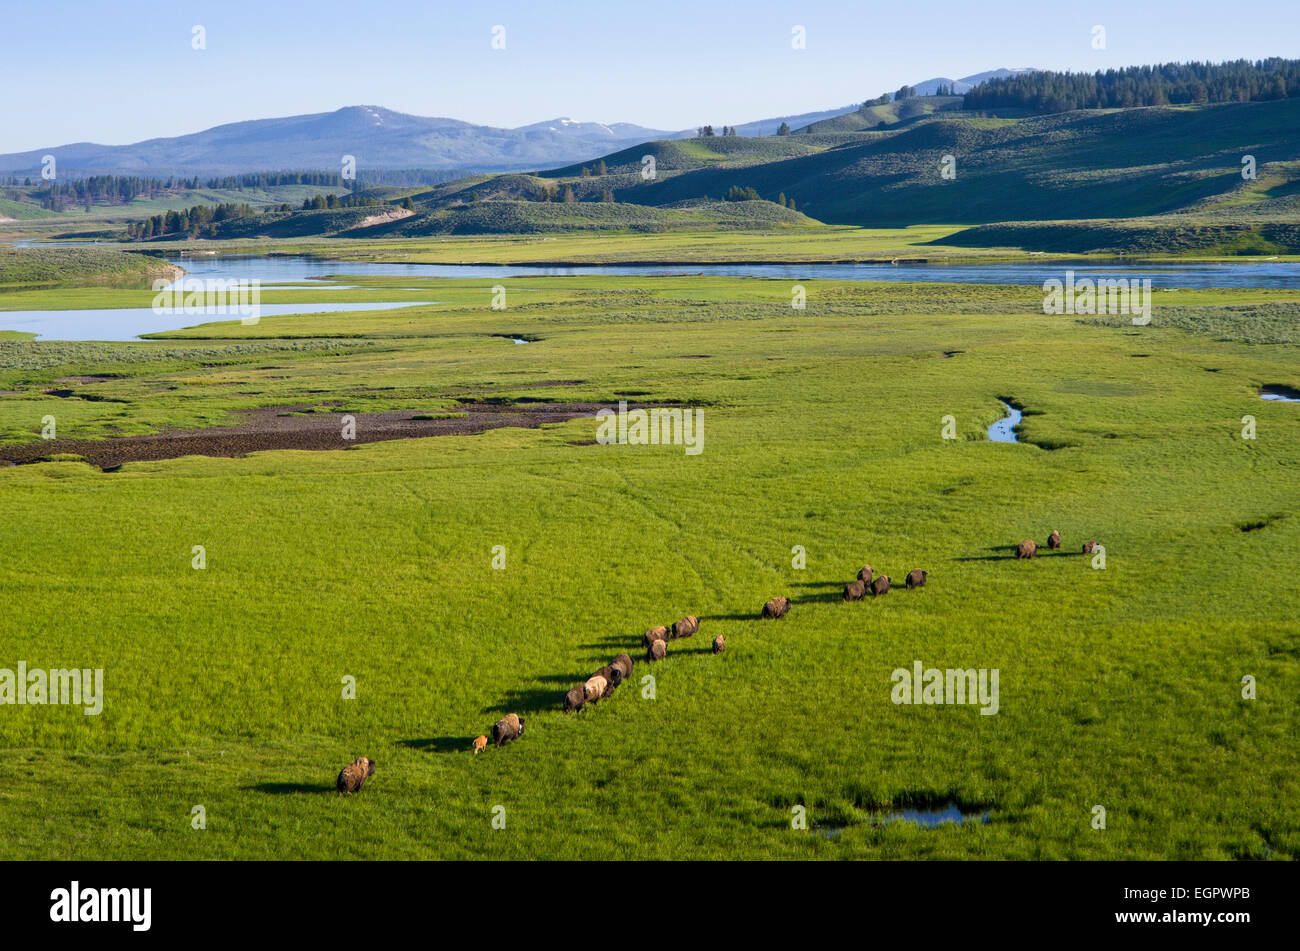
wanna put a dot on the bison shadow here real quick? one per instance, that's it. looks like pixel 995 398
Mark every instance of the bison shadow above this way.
pixel 1009 552
pixel 729 617
pixel 824 598
pixel 611 642
pixel 440 744
pixel 290 789
pixel 532 700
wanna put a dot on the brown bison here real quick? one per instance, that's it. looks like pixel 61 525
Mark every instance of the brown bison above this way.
pixel 916 578
pixel 354 775
pixel 479 743
pixel 659 633
pixel 613 677
pixel 776 608
pixel 657 650
pixel 1026 549
pixel 864 574
pixel 719 644
pixel 623 663
pixel 880 585
pixel 855 590
pixel 1089 547
pixel 574 699
pixel 686 627
pixel 509 727
pixel 1054 540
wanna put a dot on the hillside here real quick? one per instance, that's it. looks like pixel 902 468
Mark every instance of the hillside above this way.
pixel 1078 165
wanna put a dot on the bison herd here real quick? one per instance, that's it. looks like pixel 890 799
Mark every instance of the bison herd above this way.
pixel 606 680
pixel 1028 548
pixel 869 583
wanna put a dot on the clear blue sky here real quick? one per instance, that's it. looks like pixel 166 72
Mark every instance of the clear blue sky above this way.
pixel 123 71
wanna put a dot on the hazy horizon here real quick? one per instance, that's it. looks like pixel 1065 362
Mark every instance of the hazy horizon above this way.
pixel 672 67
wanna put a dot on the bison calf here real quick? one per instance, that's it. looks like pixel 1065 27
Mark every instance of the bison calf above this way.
pixel 916 578
pixel 776 608
pixel 353 776
pixel 855 590
pixel 1026 549
pixel 509 727
pixel 1054 540
pixel 479 743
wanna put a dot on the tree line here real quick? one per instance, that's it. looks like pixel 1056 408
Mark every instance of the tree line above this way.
pixel 192 222
pixel 1163 84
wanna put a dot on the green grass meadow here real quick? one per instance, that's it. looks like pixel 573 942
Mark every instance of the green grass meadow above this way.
pixel 1119 687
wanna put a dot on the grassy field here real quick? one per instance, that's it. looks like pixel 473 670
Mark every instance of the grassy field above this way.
pixel 822 429
pixel 44 267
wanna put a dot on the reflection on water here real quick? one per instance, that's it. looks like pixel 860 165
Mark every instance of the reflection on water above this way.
pixel 128 323
pixel 1282 274
pixel 949 812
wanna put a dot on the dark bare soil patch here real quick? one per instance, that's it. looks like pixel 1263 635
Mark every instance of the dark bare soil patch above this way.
pixel 266 428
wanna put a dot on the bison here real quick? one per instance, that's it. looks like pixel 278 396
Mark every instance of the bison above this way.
pixel 864 574
pixel 595 688
pixel 776 608
pixel 855 590
pixel 613 677
pixel 1026 549
pixel 880 585
pixel 623 663
pixel 657 650
pixel 916 578
pixel 1054 540
pixel 354 775
pixel 686 627
pixel 509 727
pixel 719 644
pixel 1090 546
pixel 659 633
pixel 574 699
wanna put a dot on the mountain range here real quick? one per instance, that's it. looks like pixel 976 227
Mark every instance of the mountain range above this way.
pixel 380 138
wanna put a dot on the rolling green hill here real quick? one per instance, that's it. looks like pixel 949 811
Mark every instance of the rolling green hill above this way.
pixel 1079 165
pixel 884 115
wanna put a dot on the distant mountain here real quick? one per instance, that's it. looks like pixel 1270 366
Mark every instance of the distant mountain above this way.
pixel 378 138
pixel 964 85
pixel 769 126
pixel 386 140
